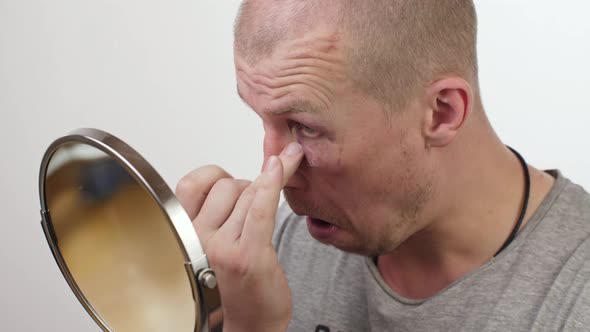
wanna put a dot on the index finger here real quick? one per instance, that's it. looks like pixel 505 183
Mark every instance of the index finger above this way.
pixel 260 219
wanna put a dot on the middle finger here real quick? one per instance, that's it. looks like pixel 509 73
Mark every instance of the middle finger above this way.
pixel 219 204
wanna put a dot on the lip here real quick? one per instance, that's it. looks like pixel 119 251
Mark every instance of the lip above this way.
pixel 321 230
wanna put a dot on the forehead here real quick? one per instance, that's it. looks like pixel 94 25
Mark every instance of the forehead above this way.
pixel 311 66
pixel 321 41
pixel 263 25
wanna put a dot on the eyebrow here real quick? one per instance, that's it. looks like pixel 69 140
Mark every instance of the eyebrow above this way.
pixel 297 106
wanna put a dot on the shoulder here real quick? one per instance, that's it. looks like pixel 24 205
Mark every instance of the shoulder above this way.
pixel 572 201
pixel 574 301
pixel 564 217
pixel 562 246
pixel 558 232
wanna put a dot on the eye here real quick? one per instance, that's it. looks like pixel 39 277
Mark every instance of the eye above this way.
pixel 304 130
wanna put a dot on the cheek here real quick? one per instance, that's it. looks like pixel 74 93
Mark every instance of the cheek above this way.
pixel 320 155
pixel 312 155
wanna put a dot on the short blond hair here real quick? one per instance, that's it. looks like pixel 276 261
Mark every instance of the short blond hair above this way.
pixel 394 47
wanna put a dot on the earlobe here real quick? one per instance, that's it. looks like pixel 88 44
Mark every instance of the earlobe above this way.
pixel 449 102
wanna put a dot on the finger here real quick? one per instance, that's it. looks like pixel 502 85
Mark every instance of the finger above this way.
pixel 291 157
pixel 260 218
pixel 193 188
pixel 220 203
pixel 232 228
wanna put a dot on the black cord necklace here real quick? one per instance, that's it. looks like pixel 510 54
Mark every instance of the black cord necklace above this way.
pixel 525 203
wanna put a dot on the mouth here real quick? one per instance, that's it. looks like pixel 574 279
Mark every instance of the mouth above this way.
pixel 320 223
pixel 321 229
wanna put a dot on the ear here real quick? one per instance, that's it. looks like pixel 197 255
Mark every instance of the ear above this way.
pixel 449 101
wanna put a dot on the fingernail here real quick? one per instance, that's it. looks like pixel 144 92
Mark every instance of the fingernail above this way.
pixel 293 149
pixel 273 162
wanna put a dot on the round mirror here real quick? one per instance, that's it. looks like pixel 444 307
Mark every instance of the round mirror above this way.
pixel 123 242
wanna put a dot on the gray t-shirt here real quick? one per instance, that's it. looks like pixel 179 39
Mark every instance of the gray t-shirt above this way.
pixel 541 282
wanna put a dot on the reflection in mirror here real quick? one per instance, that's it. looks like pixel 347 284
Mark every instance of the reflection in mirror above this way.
pixel 117 243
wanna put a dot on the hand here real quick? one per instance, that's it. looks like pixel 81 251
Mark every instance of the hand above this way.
pixel 235 220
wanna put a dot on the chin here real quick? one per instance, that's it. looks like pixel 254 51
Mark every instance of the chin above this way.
pixel 341 238
pixel 356 248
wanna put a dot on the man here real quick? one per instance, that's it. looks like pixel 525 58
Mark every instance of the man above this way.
pixel 405 210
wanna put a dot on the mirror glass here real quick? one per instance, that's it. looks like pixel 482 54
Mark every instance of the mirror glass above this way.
pixel 117 243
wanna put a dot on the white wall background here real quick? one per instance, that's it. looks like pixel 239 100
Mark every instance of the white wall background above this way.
pixel 159 74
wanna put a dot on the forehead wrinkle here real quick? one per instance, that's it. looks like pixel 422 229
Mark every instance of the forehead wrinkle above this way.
pixel 312 62
pixel 292 56
pixel 312 75
pixel 317 90
pixel 253 89
pixel 283 103
pixel 327 65
pixel 320 68
pixel 256 88
pixel 308 81
pixel 293 106
pixel 320 76
pixel 291 68
pixel 278 87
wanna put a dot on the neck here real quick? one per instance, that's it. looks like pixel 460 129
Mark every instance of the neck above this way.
pixel 481 199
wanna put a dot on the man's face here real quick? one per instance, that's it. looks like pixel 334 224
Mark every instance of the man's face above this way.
pixel 363 183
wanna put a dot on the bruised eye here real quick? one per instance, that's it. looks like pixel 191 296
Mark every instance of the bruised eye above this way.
pixel 304 130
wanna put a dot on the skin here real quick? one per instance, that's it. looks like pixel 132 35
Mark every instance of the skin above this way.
pixel 310 71
pixel 234 220
pixel 430 190
pixel 421 176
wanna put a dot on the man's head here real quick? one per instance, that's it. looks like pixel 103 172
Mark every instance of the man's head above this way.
pixel 370 89
pixel 393 48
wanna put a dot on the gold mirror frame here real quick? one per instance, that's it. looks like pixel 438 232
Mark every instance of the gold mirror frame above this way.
pixel 201 277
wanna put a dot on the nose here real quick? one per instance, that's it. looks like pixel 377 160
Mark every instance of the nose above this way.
pixel 273 144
